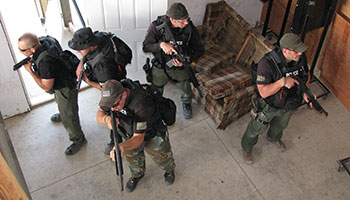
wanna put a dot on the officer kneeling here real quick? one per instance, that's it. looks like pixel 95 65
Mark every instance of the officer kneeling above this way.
pixel 139 124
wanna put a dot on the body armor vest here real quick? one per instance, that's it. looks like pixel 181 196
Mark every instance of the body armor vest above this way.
pixel 286 98
pixel 182 38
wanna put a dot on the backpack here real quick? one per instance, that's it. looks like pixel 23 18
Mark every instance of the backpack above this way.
pixel 166 106
pixel 66 57
pixel 122 53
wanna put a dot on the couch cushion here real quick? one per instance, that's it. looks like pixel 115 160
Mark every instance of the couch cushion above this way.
pixel 224 82
pixel 213 59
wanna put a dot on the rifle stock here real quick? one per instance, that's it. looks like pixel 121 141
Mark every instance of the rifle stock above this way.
pixel 118 158
pixel 310 96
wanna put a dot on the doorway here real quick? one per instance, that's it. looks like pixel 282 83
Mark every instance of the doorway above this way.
pixel 41 17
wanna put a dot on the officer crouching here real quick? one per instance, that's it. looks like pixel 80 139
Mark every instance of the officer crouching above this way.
pixel 135 122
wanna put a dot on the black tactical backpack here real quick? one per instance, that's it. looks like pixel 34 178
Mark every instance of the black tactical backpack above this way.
pixel 66 57
pixel 166 107
pixel 121 52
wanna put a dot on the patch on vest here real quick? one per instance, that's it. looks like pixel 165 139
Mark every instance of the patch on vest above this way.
pixel 260 78
pixel 141 126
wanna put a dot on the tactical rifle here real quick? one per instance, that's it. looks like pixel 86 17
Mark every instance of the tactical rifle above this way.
pixel 117 155
pixel 310 96
pixel 21 63
pixel 80 78
pixel 184 59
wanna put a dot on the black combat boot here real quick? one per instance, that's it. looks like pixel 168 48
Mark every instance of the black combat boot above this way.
pixel 132 183
pixel 169 177
pixel 75 147
pixel 56 117
pixel 187 110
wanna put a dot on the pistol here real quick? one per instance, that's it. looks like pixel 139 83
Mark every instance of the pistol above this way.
pixel 21 63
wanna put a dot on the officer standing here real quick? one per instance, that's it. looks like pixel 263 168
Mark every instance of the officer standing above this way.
pixel 161 44
pixel 98 54
pixel 278 93
pixel 136 125
pixel 53 77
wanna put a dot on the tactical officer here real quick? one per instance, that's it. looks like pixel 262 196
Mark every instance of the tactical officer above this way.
pixel 53 77
pixel 136 112
pixel 174 29
pixel 278 93
pixel 97 51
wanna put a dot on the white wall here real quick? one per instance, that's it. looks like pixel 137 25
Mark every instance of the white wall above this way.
pixel 250 10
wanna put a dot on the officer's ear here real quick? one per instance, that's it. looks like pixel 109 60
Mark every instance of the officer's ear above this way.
pixel 125 93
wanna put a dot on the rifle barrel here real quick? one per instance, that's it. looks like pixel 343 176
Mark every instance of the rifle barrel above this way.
pixel 118 158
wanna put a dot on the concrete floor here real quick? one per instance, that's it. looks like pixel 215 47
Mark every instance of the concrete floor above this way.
pixel 209 162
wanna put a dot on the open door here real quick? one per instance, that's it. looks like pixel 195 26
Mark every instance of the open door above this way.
pixel 13 99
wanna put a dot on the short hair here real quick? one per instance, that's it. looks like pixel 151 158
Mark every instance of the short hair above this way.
pixel 29 39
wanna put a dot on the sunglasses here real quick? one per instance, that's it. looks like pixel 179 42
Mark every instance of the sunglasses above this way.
pixel 182 21
pixel 23 50
pixel 117 102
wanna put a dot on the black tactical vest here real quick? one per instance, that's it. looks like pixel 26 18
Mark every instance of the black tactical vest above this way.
pixel 286 98
pixel 182 38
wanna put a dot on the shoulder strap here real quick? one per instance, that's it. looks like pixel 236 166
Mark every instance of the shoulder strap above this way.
pixel 276 61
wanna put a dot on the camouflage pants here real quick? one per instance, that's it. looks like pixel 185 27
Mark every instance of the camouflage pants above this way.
pixel 158 148
pixel 277 119
pixel 160 79
pixel 67 102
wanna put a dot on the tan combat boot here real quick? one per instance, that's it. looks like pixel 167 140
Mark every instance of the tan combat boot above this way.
pixel 248 158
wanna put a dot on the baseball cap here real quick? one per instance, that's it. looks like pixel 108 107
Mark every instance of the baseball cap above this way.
pixel 111 90
pixel 291 41
pixel 177 11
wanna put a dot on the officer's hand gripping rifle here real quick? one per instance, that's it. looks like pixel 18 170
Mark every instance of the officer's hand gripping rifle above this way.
pixel 184 59
pixel 21 63
pixel 310 96
pixel 117 155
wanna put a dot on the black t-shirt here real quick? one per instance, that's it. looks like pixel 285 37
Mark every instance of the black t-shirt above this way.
pixel 50 68
pixel 267 72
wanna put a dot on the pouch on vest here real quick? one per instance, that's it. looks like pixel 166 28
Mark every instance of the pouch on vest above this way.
pixel 167 106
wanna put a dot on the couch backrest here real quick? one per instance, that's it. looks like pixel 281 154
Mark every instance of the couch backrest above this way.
pixel 230 31
pixel 253 49
pixel 212 12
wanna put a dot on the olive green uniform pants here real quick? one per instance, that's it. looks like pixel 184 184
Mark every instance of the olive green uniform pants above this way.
pixel 67 102
pixel 277 119
pixel 181 78
pixel 160 151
